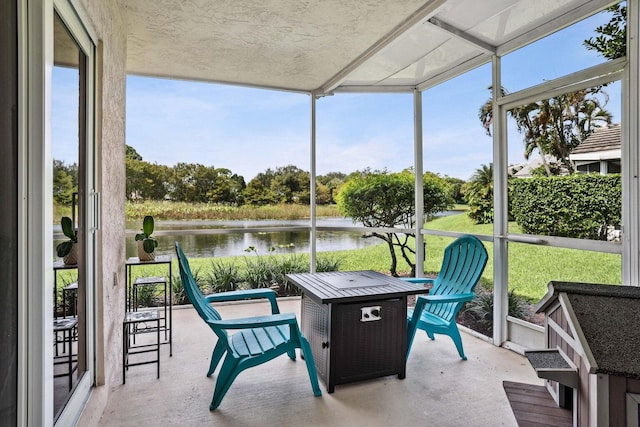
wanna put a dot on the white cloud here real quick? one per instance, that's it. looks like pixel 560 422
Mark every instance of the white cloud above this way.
pixel 250 130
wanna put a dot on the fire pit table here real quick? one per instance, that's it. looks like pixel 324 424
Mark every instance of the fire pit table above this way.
pixel 356 323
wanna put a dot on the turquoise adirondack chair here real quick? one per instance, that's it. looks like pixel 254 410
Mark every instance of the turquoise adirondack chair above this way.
pixel 253 341
pixel 435 313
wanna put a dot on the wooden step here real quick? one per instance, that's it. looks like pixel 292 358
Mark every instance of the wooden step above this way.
pixel 532 406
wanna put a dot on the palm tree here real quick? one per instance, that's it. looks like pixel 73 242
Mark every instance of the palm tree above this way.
pixel 481 181
pixel 479 194
pixel 486 111
pixel 566 120
pixel 525 123
pixel 557 125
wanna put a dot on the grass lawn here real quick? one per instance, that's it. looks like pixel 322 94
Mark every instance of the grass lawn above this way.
pixel 531 267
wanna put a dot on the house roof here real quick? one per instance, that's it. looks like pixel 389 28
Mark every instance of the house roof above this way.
pixel 525 170
pixel 607 321
pixel 605 138
pixel 333 45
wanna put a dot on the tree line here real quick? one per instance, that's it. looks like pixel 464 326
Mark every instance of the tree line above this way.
pixel 197 183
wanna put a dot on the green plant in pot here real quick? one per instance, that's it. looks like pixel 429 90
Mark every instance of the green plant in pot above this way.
pixel 146 243
pixel 68 250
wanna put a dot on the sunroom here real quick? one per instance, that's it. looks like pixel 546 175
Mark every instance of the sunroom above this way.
pixel 316 50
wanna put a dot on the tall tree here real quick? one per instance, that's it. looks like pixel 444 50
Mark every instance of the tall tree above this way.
pixel 65 182
pixel 131 153
pixel 456 185
pixel 194 182
pixel 285 184
pixel 564 121
pixel 524 123
pixel 258 191
pixel 227 188
pixel 147 181
pixel 557 125
pixel 332 182
pixel 611 40
pixel 291 185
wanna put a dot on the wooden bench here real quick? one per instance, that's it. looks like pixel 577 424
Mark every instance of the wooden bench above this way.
pixel 532 405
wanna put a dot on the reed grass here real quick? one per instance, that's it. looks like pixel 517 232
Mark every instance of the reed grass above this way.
pixel 168 210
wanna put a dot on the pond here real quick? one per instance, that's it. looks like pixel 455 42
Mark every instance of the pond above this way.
pixel 203 245
pixel 220 245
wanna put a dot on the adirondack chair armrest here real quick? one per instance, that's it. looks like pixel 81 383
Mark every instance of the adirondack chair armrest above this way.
pixel 447 298
pixel 418 279
pixel 255 322
pixel 246 294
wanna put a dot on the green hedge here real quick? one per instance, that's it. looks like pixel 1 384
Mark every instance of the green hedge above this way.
pixel 580 206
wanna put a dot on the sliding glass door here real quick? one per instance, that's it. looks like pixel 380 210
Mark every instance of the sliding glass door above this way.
pixel 74 211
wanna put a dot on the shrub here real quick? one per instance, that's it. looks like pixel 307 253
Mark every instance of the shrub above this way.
pixel 145 295
pixel 223 277
pixel 293 263
pixel 259 271
pixel 481 308
pixel 69 303
pixel 479 195
pixel 179 295
pixel 326 263
pixel 481 209
pixel 580 206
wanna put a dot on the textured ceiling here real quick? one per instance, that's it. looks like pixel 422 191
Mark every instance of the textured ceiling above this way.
pixel 327 45
pixel 273 43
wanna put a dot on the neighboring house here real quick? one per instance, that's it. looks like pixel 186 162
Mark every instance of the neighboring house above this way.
pixel 525 170
pixel 600 152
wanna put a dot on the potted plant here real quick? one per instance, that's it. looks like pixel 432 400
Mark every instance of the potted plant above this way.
pixel 68 250
pixel 146 243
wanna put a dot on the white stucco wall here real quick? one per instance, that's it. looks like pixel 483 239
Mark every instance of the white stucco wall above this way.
pixel 105 18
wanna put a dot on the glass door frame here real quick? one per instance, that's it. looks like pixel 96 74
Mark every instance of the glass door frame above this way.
pixel 87 208
pixel 35 213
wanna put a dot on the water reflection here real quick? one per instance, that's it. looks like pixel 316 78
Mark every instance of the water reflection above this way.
pixel 220 245
pixel 235 244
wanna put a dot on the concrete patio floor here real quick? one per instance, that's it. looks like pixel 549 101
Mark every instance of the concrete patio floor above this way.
pixel 439 389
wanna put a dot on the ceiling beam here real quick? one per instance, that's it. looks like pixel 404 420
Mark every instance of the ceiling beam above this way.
pixel 428 9
pixel 456 32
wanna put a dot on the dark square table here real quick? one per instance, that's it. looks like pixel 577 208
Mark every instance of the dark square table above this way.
pixel 356 323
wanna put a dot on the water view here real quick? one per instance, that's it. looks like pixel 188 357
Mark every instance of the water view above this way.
pixel 220 245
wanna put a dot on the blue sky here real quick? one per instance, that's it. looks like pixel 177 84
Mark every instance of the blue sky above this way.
pixel 250 130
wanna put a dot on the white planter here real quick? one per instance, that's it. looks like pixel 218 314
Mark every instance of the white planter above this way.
pixel 144 256
pixel 72 257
